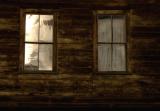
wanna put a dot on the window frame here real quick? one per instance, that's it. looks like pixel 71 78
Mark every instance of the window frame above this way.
pixel 95 41
pixel 23 13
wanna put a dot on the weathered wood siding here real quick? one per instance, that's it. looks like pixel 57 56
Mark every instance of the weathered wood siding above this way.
pixel 75 82
pixel 75 41
pixel 145 37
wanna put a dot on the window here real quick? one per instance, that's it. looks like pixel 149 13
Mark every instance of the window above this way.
pixel 111 43
pixel 39 43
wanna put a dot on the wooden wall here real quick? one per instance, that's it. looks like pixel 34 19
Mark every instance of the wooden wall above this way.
pixel 75 84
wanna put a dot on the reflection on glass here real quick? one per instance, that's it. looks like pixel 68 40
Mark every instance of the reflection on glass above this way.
pixel 46 28
pixel 45 57
pixel 31 56
pixel 32 28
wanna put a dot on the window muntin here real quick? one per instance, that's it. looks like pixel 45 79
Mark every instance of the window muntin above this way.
pixel 39 42
pixel 111 43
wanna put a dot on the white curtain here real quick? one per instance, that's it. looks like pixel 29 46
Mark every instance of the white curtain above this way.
pixel 31 28
pixel 118 57
pixel 104 57
pixel 104 30
pixel 119 29
pixel 46 28
pixel 45 56
pixel 112 57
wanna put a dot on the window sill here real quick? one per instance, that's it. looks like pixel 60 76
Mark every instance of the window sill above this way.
pixel 38 72
pixel 106 73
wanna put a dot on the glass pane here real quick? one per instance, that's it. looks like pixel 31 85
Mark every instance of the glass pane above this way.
pixel 31 28
pixel 31 57
pixel 119 29
pixel 46 28
pixel 104 29
pixel 45 57
pixel 119 57
pixel 104 57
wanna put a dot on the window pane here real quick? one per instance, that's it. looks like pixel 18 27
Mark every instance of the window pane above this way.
pixel 31 57
pixel 104 57
pixel 119 57
pixel 31 28
pixel 104 29
pixel 46 28
pixel 119 29
pixel 45 57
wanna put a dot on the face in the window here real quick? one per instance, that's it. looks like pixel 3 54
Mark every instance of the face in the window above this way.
pixel 39 42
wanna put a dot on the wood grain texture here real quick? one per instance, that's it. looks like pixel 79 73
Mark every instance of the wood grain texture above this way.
pixel 76 84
